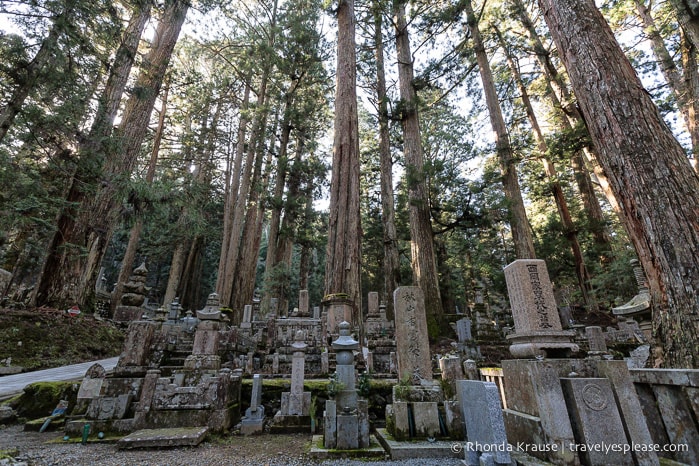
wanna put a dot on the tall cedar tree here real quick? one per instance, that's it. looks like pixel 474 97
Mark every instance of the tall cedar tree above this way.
pixel 648 170
pixel 423 259
pixel 521 231
pixel 343 259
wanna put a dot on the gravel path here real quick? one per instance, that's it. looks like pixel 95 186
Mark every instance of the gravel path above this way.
pixel 263 450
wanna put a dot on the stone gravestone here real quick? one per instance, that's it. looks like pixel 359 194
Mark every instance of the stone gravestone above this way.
pixel 412 344
pixel 595 339
pixel 304 308
pixel 247 316
pixel 485 427
pixel 134 295
pixel 450 366
pixel 538 330
pixel 294 415
pixel 91 386
pixel 254 419
pixel 596 420
pixel 463 330
pixel 373 304
pixel 346 419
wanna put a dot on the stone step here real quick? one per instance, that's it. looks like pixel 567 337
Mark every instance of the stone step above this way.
pixel 172 437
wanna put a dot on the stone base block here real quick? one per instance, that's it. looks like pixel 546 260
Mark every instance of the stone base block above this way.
pixel 252 426
pixel 155 438
pixel 555 344
pixel 290 424
pixel 128 313
pixel 203 362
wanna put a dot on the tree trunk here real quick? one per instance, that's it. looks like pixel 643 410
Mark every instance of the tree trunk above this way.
pixel 391 261
pixel 688 17
pixel 558 91
pixel 176 267
pixel 223 281
pixel 343 257
pixel 521 231
pixel 691 79
pixel 569 228
pixel 246 270
pixel 27 78
pixel 681 87
pixel 135 234
pixel 239 212
pixel 647 168
pixel 104 212
pixel 423 258
pixel 58 282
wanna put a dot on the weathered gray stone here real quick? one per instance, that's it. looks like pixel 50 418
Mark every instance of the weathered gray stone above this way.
pixel 412 345
pixel 454 420
pixel 304 307
pixel 450 366
pixel 596 420
pixel 330 425
pixel 595 340
pixel 538 330
pixel 537 408
pixel 463 330
pixel 426 419
pixel 480 409
pixel 679 424
pixel 253 422
pixel 169 437
pixel 90 388
pixel 373 304
pixel 626 397
pixel 347 429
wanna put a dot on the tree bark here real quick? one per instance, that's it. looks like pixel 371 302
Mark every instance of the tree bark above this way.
pixel 391 261
pixel 647 168
pixel 521 231
pixel 688 17
pixel 423 257
pixel 135 233
pixel 32 71
pixel 569 228
pixel 691 79
pixel 223 281
pixel 557 90
pixel 59 281
pixel 343 256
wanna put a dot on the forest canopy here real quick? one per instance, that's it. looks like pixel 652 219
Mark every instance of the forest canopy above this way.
pixel 197 138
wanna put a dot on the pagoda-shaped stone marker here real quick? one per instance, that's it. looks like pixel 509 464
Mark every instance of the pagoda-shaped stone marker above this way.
pixel 412 343
pixel 538 330
pixel 254 419
pixel 129 309
pixel 346 419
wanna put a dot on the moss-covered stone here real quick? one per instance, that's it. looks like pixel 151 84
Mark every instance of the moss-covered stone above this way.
pixel 39 399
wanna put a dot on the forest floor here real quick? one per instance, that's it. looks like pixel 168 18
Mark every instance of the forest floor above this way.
pixel 43 338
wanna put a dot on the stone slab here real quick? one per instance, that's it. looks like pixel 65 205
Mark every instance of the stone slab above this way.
pixel 158 438
pixel 412 344
pixel 596 420
pixel 398 450
pixel 318 451
pixel 426 418
pixel 482 415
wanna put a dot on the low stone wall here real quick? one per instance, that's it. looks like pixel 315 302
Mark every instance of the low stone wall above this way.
pixel 670 402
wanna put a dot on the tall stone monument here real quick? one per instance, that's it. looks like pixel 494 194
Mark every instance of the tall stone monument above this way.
pixel 294 415
pixel 538 330
pixel 412 343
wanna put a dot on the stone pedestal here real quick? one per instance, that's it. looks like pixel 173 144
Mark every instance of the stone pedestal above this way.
pixel 294 415
pixel 540 412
